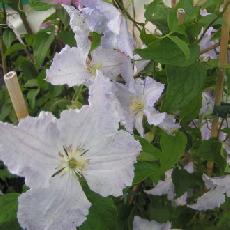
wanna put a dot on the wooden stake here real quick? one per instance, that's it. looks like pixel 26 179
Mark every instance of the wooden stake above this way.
pixel 173 3
pixel 181 15
pixel 223 60
pixel 16 95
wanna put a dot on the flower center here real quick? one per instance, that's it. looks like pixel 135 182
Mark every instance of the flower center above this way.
pixel 92 68
pixel 137 105
pixel 72 160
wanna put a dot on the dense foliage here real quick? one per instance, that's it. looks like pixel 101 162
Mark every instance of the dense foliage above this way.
pixel 182 173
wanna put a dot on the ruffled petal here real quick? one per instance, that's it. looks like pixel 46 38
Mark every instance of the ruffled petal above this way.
pixel 154 117
pixel 62 205
pixel 152 91
pixel 80 29
pixel 68 67
pixel 111 163
pixel 31 149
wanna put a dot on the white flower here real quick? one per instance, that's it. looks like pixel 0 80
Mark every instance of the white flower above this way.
pixel 143 224
pixel 72 68
pixel 104 18
pixel 53 153
pixel 139 100
pixel 219 186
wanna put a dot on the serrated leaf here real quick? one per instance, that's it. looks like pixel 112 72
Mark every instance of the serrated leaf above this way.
pixel 166 51
pixel 173 147
pixel 184 85
pixel 144 170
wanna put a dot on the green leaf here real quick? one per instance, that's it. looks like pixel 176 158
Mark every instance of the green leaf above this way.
pixel 166 51
pixel 14 49
pixel 149 152
pixel 102 214
pixel 4 174
pixel 67 37
pixel 95 40
pixel 41 46
pixel 159 209
pixel 182 45
pixel 39 6
pixel 156 12
pixel 173 147
pixel 144 170
pixel 183 181
pixel 184 85
pixel 31 96
pixel 8 212
pixel 8 37
pixel 28 69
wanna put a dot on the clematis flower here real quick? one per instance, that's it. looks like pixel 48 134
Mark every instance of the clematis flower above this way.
pixel 52 154
pixel 143 224
pixel 72 68
pixel 218 188
pixel 104 18
pixel 139 100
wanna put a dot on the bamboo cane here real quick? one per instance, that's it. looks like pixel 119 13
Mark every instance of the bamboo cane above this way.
pixel 16 95
pixel 181 16
pixel 223 60
pixel 173 3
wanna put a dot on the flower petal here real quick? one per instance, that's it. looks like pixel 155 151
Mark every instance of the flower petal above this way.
pixel 169 124
pixel 111 163
pixel 80 29
pixel 152 91
pixel 143 224
pixel 210 200
pixel 113 63
pixel 138 123
pixel 62 205
pixel 154 117
pixel 104 18
pixel 68 67
pixel 30 150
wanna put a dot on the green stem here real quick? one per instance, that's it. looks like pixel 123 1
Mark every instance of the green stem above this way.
pixel 2 46
pixel 24 18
